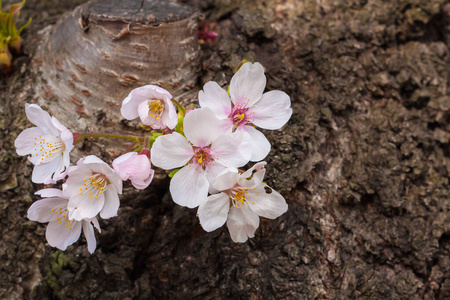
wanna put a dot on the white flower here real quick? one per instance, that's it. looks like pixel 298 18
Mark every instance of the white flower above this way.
pixel 248 106
pixel 93 187
pixel 61 231
pixel 49 145
pixel 135 167
pixel 243 199
pixel 206 151
pixel 152 105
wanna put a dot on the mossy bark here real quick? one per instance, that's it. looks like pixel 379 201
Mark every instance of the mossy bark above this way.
pixel 364 165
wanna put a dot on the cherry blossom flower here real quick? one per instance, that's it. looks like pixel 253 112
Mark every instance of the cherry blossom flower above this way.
pixel 152 105
pixel 248 106
pixel 135 167
pixel 243 198
pixel 203 153
pixel 61 231
pixel 49 145
pixel 93 187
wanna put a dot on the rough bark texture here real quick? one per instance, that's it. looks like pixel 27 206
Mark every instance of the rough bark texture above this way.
pixel 364 165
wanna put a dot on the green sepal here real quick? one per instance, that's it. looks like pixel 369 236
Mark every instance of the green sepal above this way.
pixel 173 172
pixel 240 65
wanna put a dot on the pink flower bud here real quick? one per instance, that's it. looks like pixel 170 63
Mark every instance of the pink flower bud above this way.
pixel 135 167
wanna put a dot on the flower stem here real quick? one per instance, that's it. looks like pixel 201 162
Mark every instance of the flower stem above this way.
pixel 180 108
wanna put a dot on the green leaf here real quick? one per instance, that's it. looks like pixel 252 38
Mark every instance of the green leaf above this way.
pixel 24 26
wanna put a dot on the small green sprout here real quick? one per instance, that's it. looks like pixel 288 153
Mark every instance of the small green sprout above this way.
pixel 10 35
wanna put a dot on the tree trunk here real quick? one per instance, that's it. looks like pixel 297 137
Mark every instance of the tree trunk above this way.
pixel 364 165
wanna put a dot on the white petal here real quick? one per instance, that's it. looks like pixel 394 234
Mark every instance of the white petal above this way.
pixel 216 98
pixel 248 82
pixel 169 117
pixel 50 192
pixel 202 127
pixel 43 173
pixel 269 206
pixel 41 211
pixel 59 236
pixel 143 111
pixel 189 187
pixel 88 231
pixel 213 172
pixel 242 223
pixel 96 224
pixel 75 180
pixel 253 176
pixel 97 165
pixel 40 118
pixel 214 211
pixel 225 181
pixel 112 203
pixel 272 111
pixel 227 150
pixel 25 142
pixel 90 159
pixel 129 109
pixel 64 164
pixel 258 142
pixel 83 207
pixel 171 151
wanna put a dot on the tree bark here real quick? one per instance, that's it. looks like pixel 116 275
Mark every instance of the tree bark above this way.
pixel 364 165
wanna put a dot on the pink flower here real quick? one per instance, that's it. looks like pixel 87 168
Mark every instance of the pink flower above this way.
pixel 61 231
pixel 248 106
pixel 243 198
pixel 152 105
pixel 204 152
pixel 136 168
pixel 49 145
pixel 93 187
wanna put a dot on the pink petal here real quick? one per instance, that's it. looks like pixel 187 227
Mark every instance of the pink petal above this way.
pixel 41 119
pixel 171 151
pixel 24 143
pixel 60 236
pixel 213 212
pixel 215 98
pixel 50 192
pixel 43 173
pixel 88 231
pixel 258 142
pixel 248 83
pixel 83 207
pixel 231 150
pixel 267 205
pixel 272 111
pixel 253 176
pixel 189 187
pixel 242 223
pixel 41 210
pixel 112 203
pixel 202 127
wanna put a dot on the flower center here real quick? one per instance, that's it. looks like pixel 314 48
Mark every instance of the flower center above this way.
pixel 203 157
pixel 240 113
pixel 155 108
pixel 47 148
pixel 240 196
pixel 94 185
pixel 62 215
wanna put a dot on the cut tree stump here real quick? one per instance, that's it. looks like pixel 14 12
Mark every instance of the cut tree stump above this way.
pixel 97 54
